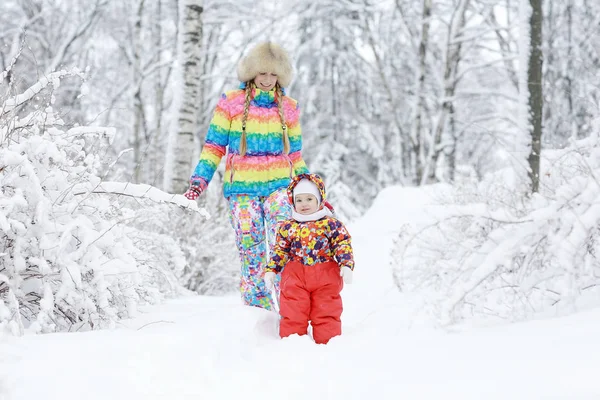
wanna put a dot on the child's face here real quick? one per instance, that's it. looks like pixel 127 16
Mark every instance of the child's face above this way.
pixel 265 80
pixel 306 203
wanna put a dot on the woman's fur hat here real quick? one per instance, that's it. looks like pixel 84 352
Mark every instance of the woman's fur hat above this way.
pixel 266 57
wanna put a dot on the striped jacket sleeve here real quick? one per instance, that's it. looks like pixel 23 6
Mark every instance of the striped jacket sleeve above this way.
pixel 215 146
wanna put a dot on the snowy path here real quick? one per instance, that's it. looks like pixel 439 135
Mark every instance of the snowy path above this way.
pixel 214 348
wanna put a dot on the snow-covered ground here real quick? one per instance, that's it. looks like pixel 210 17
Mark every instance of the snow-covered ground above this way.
pixel 215 348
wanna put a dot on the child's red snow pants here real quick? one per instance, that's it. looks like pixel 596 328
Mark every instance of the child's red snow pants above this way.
pixel 311 293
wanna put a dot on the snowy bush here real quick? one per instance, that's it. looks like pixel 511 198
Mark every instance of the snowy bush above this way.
pixel 70 257
pixel 214 265
pixel 206 246
pixel 496 254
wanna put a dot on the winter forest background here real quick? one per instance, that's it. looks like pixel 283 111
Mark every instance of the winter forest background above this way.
pixel 104 106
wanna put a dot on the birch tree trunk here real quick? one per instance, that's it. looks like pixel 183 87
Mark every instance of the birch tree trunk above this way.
pixel 180 150
pixel 159 90
pixel 138 112
pixel 158 84
pixel 523 137
pixel 569 71
pixel 536 101
pixel 416 136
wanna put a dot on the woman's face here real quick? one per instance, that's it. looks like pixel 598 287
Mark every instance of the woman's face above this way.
pixel 265 80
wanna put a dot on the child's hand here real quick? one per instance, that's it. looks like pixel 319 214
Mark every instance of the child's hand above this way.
pixel 346 274
pixel 270 280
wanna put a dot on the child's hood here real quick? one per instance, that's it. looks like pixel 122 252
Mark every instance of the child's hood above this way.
pixel 314 178
pixel 317 180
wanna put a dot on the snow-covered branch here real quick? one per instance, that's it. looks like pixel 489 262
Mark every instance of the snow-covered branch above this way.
pixel 143 191
pixel 52 79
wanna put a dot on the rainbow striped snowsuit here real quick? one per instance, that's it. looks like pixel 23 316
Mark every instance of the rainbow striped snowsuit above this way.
pixel 254 184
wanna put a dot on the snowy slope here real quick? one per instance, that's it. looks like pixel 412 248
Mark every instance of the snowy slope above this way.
pixel 214 348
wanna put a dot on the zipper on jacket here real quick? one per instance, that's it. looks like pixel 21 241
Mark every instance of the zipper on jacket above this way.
pixel 231 168
pixel 289 160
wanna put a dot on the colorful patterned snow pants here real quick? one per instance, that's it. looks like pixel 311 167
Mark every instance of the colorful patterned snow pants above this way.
pixel 255 220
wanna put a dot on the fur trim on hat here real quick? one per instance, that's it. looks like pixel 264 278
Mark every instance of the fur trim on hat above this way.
pixel 266 57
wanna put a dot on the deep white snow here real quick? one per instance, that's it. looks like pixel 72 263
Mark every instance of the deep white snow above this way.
pixel 215 348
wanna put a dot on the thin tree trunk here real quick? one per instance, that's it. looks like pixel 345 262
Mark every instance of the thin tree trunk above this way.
pixel 451 148
pixel 400 143
pixel 416 136
pixel 569 72
pixel 158 80
pixel 553 74
pixel 181 142
pixel 504 44
pixel 334 105
pixel 453 56
pixel 137 96
pixel 536 101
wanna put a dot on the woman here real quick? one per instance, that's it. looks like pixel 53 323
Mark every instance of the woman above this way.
pixel 258 126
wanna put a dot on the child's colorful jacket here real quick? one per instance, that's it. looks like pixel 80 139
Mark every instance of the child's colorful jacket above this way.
pixel 312 242
pixel 265 168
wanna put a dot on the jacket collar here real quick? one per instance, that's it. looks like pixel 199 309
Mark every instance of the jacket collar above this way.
pixel 317 215
pixel 262 98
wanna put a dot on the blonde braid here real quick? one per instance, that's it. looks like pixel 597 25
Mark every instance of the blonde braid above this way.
pixel 286 138
pixel 243 143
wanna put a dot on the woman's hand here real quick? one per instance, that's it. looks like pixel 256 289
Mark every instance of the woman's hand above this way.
pixel 193 193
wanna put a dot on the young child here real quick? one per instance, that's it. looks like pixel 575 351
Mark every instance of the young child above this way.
pixel 315 250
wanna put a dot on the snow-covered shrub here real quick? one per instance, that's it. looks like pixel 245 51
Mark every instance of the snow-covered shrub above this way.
pixel 69 257
pixel 209 245
pixel 496 254
pixel 208 258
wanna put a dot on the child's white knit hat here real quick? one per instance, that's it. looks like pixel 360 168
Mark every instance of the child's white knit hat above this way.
pixel 306 186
